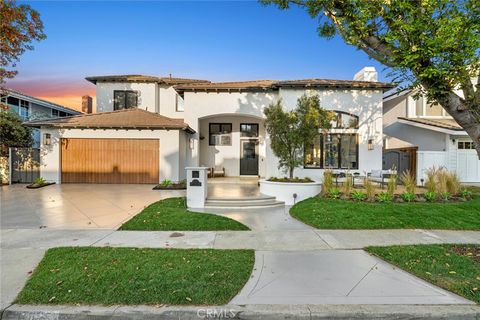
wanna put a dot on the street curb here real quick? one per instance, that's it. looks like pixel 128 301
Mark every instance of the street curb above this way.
pixel 42 312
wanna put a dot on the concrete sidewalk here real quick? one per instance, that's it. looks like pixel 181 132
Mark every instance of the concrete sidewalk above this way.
pixel 276 240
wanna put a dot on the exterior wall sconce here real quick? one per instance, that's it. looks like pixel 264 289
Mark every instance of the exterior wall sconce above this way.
pixel 370 144
pixel 47 139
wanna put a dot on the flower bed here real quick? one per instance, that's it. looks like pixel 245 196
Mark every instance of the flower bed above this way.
pixel 168 185
pixel 39 183
pixel 290 192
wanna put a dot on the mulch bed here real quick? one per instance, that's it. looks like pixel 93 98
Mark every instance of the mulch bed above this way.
pixel 37 186
pixel 173 186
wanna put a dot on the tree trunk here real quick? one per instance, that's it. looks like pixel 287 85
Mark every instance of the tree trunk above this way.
pixel 290 172
pixel 463 115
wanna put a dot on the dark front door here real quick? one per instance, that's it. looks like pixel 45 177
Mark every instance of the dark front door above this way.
pixel 249 158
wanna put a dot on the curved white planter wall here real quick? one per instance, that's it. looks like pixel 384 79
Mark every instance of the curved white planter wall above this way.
pixel 284 191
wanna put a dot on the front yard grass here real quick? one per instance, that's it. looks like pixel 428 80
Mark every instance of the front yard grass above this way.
pixel 131 276
pixel 172 215
pixel 339 214
pixel 453 267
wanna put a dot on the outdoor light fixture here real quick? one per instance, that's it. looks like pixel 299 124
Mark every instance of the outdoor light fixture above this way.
pixel 47 139
pixel 370 144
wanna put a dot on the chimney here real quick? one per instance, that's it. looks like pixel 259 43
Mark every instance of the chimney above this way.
pixel 86 104
pixel 366 74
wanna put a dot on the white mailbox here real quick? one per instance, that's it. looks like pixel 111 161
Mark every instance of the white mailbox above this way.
pixel 197 190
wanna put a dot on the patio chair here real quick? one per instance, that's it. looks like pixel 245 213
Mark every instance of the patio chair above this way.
pixel 381 176
pixel 218 171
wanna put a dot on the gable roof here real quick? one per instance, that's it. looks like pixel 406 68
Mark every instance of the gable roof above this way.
pixel 120 119
pixel 444 125
pixel 262 85
pixel 142 78
pixel 41 102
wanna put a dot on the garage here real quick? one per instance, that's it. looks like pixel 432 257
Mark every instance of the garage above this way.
pixel 134 161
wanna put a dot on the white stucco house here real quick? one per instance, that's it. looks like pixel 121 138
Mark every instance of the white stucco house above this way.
pixel 430 133
pixel 148 129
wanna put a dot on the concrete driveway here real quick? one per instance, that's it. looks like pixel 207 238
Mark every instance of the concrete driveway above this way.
pixel 75 206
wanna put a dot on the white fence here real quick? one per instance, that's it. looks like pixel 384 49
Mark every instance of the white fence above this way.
pixel 464 162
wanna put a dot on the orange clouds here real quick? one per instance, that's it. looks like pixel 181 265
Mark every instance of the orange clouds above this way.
pixel 65 92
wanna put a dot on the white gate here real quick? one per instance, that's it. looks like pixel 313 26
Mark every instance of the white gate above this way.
pixel 468 165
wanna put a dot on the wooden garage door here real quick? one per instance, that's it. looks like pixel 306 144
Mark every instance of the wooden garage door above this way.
pixel 110 160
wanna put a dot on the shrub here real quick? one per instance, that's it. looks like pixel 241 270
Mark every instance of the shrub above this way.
pixel 445 195
pixel 384 197
pixel 430 196
pixel 166 183
pixel 358 195
pixel 453 183
pixel 430 183
pixel 327 182
pixel 441 180
pixel 39 181
pixel 408 180
pixel 408 196
pixel 334 193
pixel 465 193
pixel 392 184
pixel 369 189
pixel 347 186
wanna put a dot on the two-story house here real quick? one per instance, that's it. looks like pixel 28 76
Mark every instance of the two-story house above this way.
pixel 31 108
pixel 410 123
pixel 148 129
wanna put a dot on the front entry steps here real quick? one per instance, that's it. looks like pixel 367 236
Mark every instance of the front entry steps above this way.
pixel 261 201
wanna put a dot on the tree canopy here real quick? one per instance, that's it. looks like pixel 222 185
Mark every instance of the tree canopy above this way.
pixel 13 133
pixel 290 131
pixel 432 45
pixel 20 25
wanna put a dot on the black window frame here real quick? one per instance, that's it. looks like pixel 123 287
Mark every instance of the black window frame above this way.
pixel 125 92
pixel 339 114
pixel 250 124
pixel 221 124
pixel 339 147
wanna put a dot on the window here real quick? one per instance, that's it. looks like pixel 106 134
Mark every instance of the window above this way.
pixel 179 103
pixel 433 109
pixel 465 145
pixel 124 99
pixel 425 109
pixel 419 107
pixel 23 112
pixel 333 151
pixel 249 130
pixel 344 120
pixel 13 101
pixel 220 134
pixel 57 113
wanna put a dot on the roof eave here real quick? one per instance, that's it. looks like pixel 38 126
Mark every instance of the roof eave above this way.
pixel 455 132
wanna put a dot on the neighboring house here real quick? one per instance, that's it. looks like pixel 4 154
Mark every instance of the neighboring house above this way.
pixel 435 138
pixel 148 129
pixel 31 108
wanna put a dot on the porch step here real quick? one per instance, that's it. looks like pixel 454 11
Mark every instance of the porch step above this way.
pixel 243 203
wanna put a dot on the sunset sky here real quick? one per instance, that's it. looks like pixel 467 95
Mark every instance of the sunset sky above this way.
pixel 218 40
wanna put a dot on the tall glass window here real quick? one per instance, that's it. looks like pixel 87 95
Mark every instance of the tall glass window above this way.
pixel 333 151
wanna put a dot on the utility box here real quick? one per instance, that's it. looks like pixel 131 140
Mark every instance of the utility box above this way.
pixel 197 189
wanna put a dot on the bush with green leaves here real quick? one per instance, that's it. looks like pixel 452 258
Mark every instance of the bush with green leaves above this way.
pixel 166 183
pixel 358 195
pixel 39 181
pixel 384 197
pixel 408 196
pixel 465 193
pixel 430 196
pixel 445 196
pixel 334 193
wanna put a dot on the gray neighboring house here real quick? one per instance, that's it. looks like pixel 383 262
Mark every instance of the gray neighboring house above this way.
pixel 433 136
pixel 31 108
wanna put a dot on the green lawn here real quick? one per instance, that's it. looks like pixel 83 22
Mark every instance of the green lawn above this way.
pixel 339 214
pixel 171 214
pixel 108 276
pixel 452 267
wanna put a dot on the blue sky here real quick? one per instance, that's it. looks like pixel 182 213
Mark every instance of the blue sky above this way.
pixel 217 40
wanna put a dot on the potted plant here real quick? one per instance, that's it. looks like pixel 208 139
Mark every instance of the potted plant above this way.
pixel 289 132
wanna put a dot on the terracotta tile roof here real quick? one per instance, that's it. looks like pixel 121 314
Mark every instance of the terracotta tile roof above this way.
pixel 142 78
pixel 121 119
pixel 449 124
pixel 335 83
pixel 275 84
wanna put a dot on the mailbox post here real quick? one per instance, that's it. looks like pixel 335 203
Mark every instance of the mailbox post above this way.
pixel 196 186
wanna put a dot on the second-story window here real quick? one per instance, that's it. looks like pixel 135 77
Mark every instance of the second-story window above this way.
pixel 57 113
pixel 24 109
pixel 125 99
